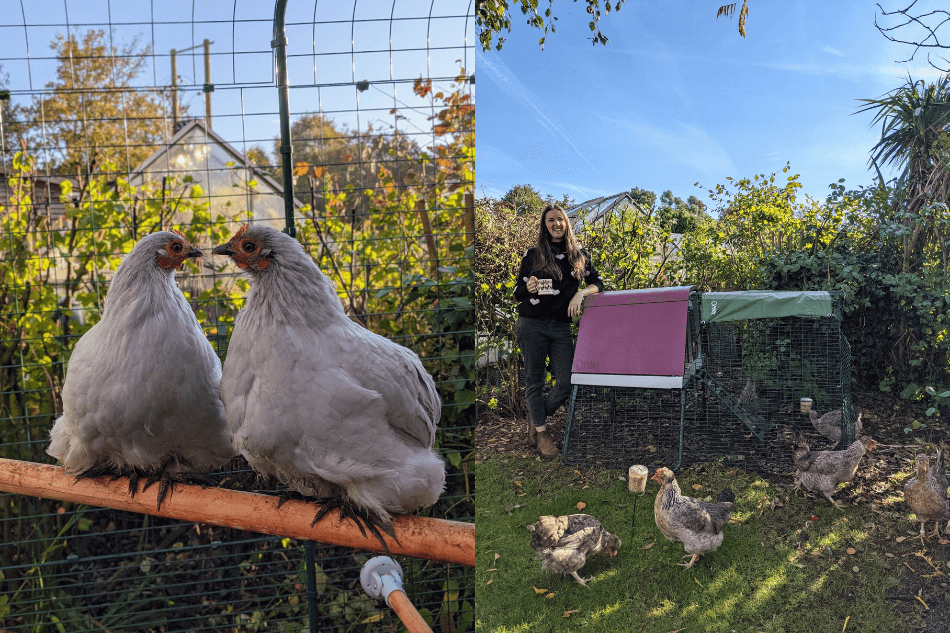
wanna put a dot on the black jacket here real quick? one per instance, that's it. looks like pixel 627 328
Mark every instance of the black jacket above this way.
pixel 554 307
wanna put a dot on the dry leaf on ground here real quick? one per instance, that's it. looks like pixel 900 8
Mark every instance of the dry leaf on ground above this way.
pixel 581 505
pixel 568 614
pixel 697 487
pixel 851 550
pixel 536 590
pixel 649 546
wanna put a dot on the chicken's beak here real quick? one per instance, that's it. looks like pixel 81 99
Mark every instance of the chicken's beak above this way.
pixel 224 249
pixel 194 252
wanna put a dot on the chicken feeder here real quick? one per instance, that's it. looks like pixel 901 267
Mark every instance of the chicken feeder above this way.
pixel 672 377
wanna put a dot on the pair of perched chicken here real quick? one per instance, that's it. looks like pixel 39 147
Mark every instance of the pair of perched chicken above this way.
pixel 565 543
pixel 307 395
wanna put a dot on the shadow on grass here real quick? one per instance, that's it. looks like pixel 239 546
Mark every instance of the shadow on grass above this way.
pixel 776 571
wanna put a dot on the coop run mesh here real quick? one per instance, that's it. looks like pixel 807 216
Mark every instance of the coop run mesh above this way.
pixel 121 118
pixel 743 383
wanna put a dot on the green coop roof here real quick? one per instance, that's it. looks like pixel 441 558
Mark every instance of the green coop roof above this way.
pixel 764 304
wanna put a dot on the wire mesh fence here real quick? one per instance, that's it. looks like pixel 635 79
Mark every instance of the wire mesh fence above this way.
pixel 121 118
pixel 741 398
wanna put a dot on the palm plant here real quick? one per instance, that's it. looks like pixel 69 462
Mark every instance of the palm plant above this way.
pixel 915 136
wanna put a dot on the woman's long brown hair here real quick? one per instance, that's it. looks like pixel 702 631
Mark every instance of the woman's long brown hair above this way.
pixel 546 261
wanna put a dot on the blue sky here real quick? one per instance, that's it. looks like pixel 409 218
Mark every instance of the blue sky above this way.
pixel 677 97
pixel 332 45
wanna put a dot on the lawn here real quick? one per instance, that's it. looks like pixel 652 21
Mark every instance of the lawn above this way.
pixel 857 570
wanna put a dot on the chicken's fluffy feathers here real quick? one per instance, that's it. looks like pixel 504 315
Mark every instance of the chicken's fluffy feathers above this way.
pixel 326 406
pixel 565 543
pixel 695 523
pixel 926 492
pixel 142 385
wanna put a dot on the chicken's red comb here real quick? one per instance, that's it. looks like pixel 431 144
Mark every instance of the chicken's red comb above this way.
pixel 241 231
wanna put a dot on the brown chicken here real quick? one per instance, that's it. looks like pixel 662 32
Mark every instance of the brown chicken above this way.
pixel 695 523
pixel 829 424
pixel 822 471
pixel 565 543
pixel 926 493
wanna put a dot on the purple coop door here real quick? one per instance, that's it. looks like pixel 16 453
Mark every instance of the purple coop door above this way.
pixel 633 338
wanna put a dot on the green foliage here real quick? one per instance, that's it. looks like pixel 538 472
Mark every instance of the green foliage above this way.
pixel 525 199
pixel 492 16
pixel 915 120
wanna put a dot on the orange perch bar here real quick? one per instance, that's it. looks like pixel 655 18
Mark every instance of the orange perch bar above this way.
pixel 421 537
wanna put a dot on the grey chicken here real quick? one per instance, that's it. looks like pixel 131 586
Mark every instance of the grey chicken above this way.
pixel 926 493
pixel 695 523
pixel 829 425
pixel 142 392
pixel 565 543
pixel 327 407
pixel 822 471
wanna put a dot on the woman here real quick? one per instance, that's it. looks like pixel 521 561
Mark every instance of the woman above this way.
pixel 547 288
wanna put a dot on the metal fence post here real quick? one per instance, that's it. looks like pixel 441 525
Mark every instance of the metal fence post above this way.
pixel 279 44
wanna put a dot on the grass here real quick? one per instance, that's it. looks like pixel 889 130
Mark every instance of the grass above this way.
pixel 772 574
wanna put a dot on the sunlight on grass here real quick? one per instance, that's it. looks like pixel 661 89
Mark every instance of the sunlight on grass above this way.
pixel 722 609
pixel 663 609
pixel 606 611
pixel 768 588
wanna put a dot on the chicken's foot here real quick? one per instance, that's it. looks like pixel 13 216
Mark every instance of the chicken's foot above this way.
pixel 692 559
pixel 582 581
pixel 836 504
pixel 361 517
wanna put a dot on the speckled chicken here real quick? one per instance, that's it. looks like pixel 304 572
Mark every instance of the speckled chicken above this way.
pixel 926 493
pixel 565 543
pixel 695 523
pixel 829 425
pixel 822 471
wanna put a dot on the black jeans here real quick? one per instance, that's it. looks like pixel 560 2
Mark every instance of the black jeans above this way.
pixel 540 339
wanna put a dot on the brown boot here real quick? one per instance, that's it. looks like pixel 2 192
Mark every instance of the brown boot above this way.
pixel 532 434
pixel 546 445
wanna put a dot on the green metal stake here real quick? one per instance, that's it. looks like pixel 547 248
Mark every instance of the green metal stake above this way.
pixel 310 561
pixel 279 44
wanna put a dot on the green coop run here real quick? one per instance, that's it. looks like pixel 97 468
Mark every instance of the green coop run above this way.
pixel 673 377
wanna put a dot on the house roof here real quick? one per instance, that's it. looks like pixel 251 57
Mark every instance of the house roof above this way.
pixel 150 163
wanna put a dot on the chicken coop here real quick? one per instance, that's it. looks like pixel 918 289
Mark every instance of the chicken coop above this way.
pixel 673 377
pixel 119 119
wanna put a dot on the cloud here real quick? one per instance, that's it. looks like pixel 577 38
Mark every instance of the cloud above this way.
pixel 832 51
pixel 685 145
pixel 503 77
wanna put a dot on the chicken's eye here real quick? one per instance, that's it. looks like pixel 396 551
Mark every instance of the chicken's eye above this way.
pixel 177 247
pixel 248 247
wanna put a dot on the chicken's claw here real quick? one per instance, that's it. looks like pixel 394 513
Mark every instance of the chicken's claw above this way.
pixel 373 522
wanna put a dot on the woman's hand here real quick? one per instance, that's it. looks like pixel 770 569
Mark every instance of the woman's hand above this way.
pixel 533 285
pixel 576 306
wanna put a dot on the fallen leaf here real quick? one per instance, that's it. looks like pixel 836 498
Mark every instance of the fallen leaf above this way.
pixel 851 550
pixel 901 539
pixel 697 487
pixel 649 546
pixel 855 569
pixel 585 487
pixel 943 541
pixel 888 554
pixel 698 583
pixel 845 624
pixel 550 595
pixel 497 556
pixel 922 602
pixel 490 581
pixel 568 614
pixel 517 483
pixel 581 505
pixel 492 569
pixel 579 472
pixel 536 590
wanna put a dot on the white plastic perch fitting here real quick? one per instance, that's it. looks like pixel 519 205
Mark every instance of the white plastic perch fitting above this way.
pixel 381 577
